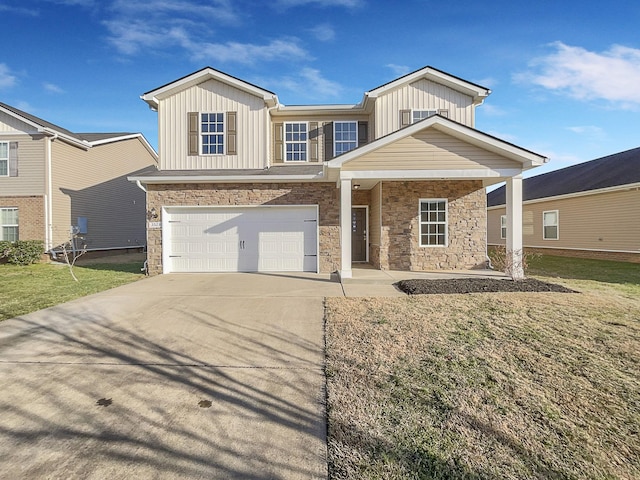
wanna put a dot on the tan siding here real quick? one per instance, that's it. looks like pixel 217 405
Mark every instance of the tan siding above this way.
pixel 31 166
pixel 94 184
pixel 421 95
pixel 212 97
pixel 321 120
pixel 493 226
pixel 606 221
pixel 9 123
pixel 430 150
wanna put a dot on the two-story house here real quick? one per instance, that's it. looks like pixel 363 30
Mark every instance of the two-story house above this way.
pixel 53 180
pixel 398 180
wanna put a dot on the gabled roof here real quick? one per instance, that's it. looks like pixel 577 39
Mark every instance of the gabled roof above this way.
pixel 202 75
pixel 611 171
pixel 37 122
pixel 478 92
pixel 527 158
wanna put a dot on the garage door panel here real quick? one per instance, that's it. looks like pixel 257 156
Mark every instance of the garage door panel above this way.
pixel 242 239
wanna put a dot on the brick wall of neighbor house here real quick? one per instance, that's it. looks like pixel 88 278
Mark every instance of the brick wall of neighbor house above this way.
pixel 30 215
pixel 399 243
pixel 325 195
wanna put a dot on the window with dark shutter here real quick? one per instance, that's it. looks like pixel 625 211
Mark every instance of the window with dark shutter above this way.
pixel 232 133
pixel 314 134
pixel 278 142
pixel 363 133
pixel 194 136
pixel 328 140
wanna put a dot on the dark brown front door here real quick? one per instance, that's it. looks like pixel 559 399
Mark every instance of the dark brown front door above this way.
pixel 358 234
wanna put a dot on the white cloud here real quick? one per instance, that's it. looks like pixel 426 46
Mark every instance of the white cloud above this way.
pixel 51 88
pixel 220 10
pixel 491 110
pixel 7 79
pixel 323 32
pixel 310 85
pixel 612 75
pixel 246 53
pixel 320 3
pixel 398 70
pixel 589 130
pixel 19 10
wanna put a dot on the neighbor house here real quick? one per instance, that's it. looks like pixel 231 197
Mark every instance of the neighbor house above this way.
pixel 53 181
pixel 589 210
pixel 397 180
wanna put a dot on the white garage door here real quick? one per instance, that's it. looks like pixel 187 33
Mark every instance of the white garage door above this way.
pixel 240 239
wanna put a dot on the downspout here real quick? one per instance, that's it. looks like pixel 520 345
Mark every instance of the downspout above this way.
pixel 48 200
pixel 140 186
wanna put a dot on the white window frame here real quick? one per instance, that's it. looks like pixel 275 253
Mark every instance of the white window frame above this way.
pixel 429 113
pixel 503 227
pixel 218 144
pixel 557 225
pixel 304 142
pixel 437 222
pixel 335 137
pixel 5 161
pixel 9 225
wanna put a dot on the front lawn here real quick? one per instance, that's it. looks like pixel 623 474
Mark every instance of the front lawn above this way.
pixel 490 385
pixel 30 288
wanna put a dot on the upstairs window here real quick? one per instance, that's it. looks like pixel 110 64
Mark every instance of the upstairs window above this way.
pixel 503 226
pixel 550 225
pixel 417 115
pixel 295 140
pixel 345 137
pixel 212 133
pixel 9 224
pixel 433 222
pixel 4 159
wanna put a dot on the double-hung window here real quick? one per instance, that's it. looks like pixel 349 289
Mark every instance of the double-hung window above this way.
pixel 433 222
pixel 417 115
pixel 503 226
pixel 9 224
pixel 550 222
pixel 4 159
pixel 295 140
pixel 345 137
pixel 212 133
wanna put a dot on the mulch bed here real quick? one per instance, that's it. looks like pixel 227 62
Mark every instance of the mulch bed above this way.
pixel 477 285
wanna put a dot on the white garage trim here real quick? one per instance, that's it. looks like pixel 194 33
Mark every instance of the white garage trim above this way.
pixel 245 238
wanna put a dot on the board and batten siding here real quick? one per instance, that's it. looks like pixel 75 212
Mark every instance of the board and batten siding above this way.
pixel 431 150
pixel 31 166
pixel 603 221
pixel 212 96
pixel 421 95
pixel 94 184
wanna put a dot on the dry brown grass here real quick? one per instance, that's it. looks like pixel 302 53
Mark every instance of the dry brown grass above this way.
pixel 496 385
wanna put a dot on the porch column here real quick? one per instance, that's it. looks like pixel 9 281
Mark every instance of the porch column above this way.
pixel 514 228
pixel 345 228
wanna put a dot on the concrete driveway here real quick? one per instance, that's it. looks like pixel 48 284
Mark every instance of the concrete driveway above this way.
pixel 176 376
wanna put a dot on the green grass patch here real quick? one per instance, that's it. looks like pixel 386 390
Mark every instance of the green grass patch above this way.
pixel 585 269
pixel 25 289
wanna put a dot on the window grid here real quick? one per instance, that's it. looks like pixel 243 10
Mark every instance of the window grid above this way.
pixel 550 221
pixel 418 115
pixel 345 137
pixel 212 131
pixel 433 222
pixel 296 142
pixel 9 224
pixel 4 159
pixel 503 226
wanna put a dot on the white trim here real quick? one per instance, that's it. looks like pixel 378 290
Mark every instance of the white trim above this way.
pixel 446 222
pixel 413 110
pixel 345 229
pixel 557 225
pixel 617 188
pixel 333 126
pixel 366 230
pixel 428 174
pixel 6 159
pixel 12 225
pixel 132 136
pixel 201 134
pixel 295 142
pixel 228 179
pixel 503 217
pixel 551 247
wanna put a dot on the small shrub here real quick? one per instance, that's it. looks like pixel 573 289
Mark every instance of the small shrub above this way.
pixel 22 252
pixel 502 262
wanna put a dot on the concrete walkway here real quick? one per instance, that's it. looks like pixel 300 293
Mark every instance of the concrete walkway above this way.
pixel 176 376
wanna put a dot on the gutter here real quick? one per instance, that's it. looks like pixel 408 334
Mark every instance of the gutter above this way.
pixel 229 179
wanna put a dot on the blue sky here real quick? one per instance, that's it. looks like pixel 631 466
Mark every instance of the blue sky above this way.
pixel 565 75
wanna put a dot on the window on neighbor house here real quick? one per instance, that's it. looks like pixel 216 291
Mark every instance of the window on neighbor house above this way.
pixel 417 115
pixel 295 140
pixel 345 137
pixel 4 159
pixel 503 226
pixel 212 133
pixel 433 222
pixel 9 224
pixel 550 225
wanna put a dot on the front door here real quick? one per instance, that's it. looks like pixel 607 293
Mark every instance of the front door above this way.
pixel 359 234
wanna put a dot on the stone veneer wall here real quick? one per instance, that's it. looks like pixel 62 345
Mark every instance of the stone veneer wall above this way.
pixel 467 224
pixel 30 215
pixel 325 195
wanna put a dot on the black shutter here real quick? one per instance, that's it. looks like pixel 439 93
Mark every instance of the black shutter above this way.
pixel 363 133
pixel 328 140
pixel 13 159
pixel 194 137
